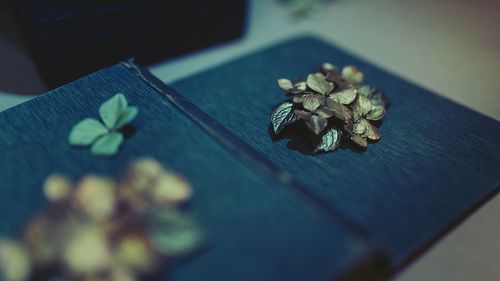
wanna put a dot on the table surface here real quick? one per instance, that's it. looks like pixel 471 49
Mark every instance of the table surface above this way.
pixel 451 47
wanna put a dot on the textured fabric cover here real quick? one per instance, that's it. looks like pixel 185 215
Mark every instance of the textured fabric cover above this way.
pixel 257 229
pixel 436 160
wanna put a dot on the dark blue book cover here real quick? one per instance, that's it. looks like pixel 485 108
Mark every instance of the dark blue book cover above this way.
pixel 293 216
pixel 258 226
pixel 435 163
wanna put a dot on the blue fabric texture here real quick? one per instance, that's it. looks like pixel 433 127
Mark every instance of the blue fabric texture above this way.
pixel 436 160
pixel 257 229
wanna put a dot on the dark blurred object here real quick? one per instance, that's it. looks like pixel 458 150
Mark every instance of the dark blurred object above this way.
pixel 69 39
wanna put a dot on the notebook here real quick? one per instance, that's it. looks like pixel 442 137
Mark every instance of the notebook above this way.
pixel 272 211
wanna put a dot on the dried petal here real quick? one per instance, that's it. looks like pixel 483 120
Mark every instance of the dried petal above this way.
pixel 352 74
pixel 282 116
pixel 328 67
pixel 171 189
pixel 329 141
pixel 311 102
pixel 285 84
pixel 318 83
pixel 324 112
pixel 359 140
pixel 95 197
pixel 299 99
pixel 301 86
pixel 346 96
pixel 362 105
pixel 15 261
pixel 372 132
pixel 359 127
pixel 56 188
pixel 376 113
pixel 302 114
pixel 86 250
pixel 340 111
pixel 316 124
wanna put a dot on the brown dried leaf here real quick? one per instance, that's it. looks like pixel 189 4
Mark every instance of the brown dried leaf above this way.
pixel 324 112
pixel 316 124
pixel 285 84
pixel 311 102
pixel 376 113
pixel 362 105
pixel 359 140
pixel 302 114
pixel 318 83
pixel 352 74
pixel 340 111
pixel 346 96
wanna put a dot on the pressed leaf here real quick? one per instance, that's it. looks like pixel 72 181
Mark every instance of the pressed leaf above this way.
pixel 359 140
pixel 329 141
pixel 126 117
pixel 328 67
pixel 376 113
pixel 282 116
pixel 285 84
pixel 302 114
pixel 111 110
pixel 324 112
pixel 340 111
pixel 352 74
pixel 366 91
pixel 316 124
pixel 301 86
pixel 318 83
pixel 346 96
pixel 86 132
pixel 360 127
pixel 299 99
pixel 108 144
pixel 173 233
pixel 362 105
pixel 311 102
pixel 371 132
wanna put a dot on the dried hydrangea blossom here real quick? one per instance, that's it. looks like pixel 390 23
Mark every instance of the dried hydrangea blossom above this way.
pixel 101 229
pixel 335 106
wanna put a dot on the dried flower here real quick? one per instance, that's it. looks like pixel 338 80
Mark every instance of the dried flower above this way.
pixel 332 105
pixel 99 230
pixel 15 263
pixel 95 197
pixel 87 250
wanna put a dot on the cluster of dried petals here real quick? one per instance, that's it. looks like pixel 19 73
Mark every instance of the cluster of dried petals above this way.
pixel 100 229
pixel 334 105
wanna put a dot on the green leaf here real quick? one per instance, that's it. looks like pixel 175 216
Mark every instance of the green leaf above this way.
pixel 86 132
pixel 127 115
pixel 112 109
pixel 318 83
pixel 108 144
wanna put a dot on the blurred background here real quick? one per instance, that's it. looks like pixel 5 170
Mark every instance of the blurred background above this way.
pixel 451 47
